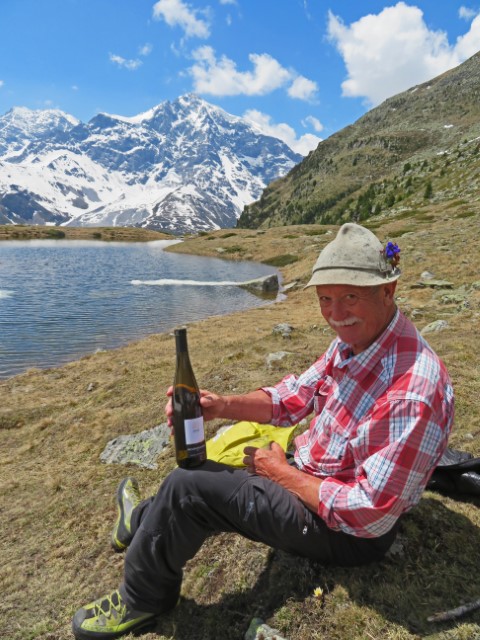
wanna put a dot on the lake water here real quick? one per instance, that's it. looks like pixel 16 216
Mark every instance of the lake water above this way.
pixel 60 300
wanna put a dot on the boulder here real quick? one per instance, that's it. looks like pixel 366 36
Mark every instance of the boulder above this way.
pixel 141 449
pixel 438 325
pixel 266 284
pixel 278 356
pixel 284 329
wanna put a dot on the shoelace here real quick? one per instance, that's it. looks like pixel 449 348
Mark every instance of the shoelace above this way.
pixel 108 607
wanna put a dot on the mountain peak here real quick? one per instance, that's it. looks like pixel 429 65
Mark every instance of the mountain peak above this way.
pixel 181 166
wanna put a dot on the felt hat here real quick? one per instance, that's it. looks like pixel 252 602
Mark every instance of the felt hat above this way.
pixel 356 257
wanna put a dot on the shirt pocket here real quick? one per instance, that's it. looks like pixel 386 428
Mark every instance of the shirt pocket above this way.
pixel 334 442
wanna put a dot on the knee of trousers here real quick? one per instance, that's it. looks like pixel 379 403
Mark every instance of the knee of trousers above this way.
pixel 210 481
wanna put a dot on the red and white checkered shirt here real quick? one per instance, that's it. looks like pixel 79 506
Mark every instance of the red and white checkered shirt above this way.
pixel 381 423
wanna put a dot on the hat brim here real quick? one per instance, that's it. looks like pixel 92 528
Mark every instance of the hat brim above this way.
pixel 353 277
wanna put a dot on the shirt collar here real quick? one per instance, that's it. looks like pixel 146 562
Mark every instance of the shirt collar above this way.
pixel 361 364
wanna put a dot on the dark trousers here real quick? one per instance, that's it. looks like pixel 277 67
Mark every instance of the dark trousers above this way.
pixel 191 505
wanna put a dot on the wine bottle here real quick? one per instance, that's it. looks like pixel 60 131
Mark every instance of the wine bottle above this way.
pixel 189 433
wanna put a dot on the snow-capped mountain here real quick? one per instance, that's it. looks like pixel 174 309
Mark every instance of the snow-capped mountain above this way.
pixel 182 166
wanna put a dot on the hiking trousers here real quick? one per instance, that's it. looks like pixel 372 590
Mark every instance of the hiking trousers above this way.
pixel 193 504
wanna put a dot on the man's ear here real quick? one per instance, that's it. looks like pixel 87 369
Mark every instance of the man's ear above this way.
pixel 389 292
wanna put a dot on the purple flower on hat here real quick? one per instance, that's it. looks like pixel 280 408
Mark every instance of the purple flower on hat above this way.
pixel 391 253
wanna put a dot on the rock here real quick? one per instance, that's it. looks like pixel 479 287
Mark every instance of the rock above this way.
pixel 141 449
pixel 265 284
pixel 438 325
pixel 284 329
pixel 91 386
pixel 427 275
pixel 292 285
pixel 258 630
pixel 397 548
pixel 453 298
pixel 273 358
pixel 220 250
pixel 436 284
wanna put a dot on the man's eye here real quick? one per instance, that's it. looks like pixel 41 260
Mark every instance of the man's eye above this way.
pixel 351 298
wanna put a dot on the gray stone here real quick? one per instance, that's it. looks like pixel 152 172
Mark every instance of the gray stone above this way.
pixel 274 358
pixel 397 548
pixel 427 275
pixel 284 329
pixel 436 284
pixel 438 325
pixel 265 284
pixel 141 449
pixel 453 298
pixel 292 285
pixel 258 630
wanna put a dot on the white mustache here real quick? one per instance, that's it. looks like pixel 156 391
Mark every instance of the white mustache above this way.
pixel 344 323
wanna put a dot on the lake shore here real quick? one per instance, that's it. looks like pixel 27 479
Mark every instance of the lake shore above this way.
pixel 55 423
pixel 108 234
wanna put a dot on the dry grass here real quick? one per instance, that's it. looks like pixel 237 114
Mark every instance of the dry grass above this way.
pixel 57 504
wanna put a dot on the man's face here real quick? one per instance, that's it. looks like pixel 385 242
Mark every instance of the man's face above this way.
pixel 357 314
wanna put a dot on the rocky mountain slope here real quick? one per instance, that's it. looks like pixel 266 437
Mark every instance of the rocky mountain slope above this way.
pixel 419 146
pixel 179 167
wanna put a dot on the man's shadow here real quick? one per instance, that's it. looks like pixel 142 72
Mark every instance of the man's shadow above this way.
pixel 433 566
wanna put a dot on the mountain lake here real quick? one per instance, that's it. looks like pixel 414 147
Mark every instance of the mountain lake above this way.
pixel 63 299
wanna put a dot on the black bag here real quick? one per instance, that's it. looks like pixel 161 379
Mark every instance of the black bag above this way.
pixel 457 472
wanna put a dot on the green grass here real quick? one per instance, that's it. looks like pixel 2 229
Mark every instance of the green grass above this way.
pixel 282 260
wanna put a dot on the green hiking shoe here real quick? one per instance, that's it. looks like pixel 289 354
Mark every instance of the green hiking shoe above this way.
pixel 108 617
pixel 128 496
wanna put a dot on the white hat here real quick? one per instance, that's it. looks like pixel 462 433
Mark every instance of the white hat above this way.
pixel 355 257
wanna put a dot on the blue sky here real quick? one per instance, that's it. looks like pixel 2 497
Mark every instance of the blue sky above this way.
pixel 299 69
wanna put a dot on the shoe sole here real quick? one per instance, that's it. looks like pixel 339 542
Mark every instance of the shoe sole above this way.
pixel 80 634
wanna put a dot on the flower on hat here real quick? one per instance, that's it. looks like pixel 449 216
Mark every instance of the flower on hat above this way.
pixel 391 253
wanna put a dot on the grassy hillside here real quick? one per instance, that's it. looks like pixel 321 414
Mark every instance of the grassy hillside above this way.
pixel 57 504
pixel 418 147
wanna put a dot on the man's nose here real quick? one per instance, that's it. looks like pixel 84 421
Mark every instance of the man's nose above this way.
pixel 338 310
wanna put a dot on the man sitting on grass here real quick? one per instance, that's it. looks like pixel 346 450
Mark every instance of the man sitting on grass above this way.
pixel 382 406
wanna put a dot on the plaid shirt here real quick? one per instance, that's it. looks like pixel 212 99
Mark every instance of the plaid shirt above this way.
pixel 381 423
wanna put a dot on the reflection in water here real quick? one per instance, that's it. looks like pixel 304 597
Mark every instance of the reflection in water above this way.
pixel 62 299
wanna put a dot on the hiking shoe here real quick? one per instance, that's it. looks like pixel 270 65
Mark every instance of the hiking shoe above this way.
pixel 128 496
pixel 108 617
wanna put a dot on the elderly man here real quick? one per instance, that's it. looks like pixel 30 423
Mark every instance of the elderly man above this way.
pixel 382 405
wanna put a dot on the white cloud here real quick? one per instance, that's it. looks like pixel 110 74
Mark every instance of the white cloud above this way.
pixel 466 13
pixel 228 1
pixel 123 62
pixel 177 13
pixel 311 121
pixel 74 87
pixel 220 77
pixel 468 44
pixel 388 52
pixel 302 88
pixel 1 83
pixel 146 50
pixel 283 131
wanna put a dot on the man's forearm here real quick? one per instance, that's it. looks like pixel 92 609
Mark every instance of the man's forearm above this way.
pixel 255 406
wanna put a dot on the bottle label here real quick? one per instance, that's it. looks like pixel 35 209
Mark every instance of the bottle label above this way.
pixel 194 432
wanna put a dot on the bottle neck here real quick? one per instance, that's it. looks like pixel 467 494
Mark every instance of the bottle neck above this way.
pixel 181 341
